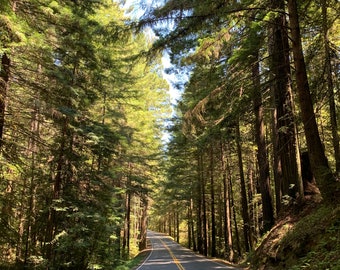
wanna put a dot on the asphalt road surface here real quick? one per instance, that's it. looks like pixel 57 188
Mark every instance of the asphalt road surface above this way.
pixel 169 255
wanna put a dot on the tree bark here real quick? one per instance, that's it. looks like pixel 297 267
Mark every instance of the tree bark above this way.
pixel 4 80
pixel 143 224
pixel 192 226
pixel 330 89
pixel 277 168
pixel 287 149
pixel 244 201
pixel 228 240
pixel 189 225
pixel 232 207
pixel 177 223
pixel 264 178
pixel 204 211
pixel 327 183
pixel 52 222
pixel 199 220
pixel 127 219
pixel 212 194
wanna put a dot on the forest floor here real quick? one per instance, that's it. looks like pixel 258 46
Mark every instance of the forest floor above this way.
pixel 306 237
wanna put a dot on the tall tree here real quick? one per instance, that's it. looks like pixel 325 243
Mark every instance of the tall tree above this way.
pixel 228 239
pixel 289 175
pixel 264 181
pixel 330 86
pixel 244 201
pixel 71 91
pixel 4 81
pixel 213 203
pixel 319 163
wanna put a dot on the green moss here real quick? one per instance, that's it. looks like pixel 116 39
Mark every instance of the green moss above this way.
pixel 314 243
pixel 304 239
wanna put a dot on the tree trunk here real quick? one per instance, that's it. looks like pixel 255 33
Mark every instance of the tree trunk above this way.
pixel 330 88
pixel 4 80
pixel 32 151
pixel 327 183
pixel 127 219
pixel 244 201
pixel 143 224
pixel 200 245
pixel 228 239
pixel 212 194
pixel 191 224
pixel 252 202
pixel 232 207
pixel 169 224
pixel 281 86
pixel 177 222
pixel 203 211
pixel 51 227
pixel 220 217
pixel 264 179
pixel 277 169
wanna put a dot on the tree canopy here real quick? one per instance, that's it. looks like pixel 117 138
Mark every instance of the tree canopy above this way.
pixel 84 107
pixel 81 125
pixel 256 133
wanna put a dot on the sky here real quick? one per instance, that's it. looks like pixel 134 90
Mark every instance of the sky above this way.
pixel 171 79
pixel 136 12
pixel 133 6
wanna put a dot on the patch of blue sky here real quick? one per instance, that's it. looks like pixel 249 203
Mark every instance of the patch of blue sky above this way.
pixel 136 9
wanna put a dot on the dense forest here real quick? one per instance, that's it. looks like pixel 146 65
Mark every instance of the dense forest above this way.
pixel 80 134
pixel 253 142
pixel 255 139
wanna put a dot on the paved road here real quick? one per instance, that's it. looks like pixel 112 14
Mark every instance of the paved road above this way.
pixel 169 255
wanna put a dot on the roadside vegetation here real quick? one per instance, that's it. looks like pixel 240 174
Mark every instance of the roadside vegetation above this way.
pixel 301 240
pixel 249 172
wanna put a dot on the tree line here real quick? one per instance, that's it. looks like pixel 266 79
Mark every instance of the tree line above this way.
pixel 80 134
pixel 256 129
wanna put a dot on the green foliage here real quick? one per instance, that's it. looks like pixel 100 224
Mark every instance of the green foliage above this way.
pixel 71 137
pixel 313 243
pixel 82 149
pixel 133 263
pixel 226 49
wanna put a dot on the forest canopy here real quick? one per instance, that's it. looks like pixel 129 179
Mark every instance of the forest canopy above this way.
pixel 84 106
pixel 256 130
pixel 81 119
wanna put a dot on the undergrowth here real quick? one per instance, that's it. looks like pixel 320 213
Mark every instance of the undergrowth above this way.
pixel 136 261
pixel 312 242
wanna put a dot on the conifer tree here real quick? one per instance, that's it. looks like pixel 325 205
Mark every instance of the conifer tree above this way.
pixel 319 163
pixel 71 91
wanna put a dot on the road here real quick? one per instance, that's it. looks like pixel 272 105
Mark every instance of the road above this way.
pixel 169 255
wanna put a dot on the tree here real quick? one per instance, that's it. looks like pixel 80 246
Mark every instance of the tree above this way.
pixel 4 80
pixel 319 164
pixel 289 176
pixel 69 133
pixel 330 86
pixel 264 181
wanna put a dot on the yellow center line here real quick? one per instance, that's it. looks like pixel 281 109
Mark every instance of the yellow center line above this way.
pixel 173 256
